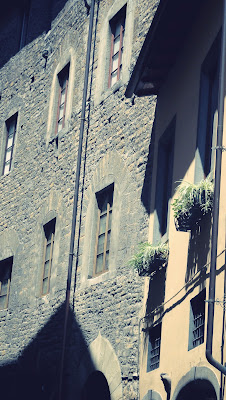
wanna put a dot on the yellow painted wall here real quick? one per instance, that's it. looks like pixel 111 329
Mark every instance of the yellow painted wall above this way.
pixel 180 96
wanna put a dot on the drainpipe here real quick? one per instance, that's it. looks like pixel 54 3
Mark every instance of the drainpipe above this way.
pixel 210 320
pixel 75 202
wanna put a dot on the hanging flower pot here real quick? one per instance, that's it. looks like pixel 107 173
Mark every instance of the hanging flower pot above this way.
pixel 192 204
pixel 149 258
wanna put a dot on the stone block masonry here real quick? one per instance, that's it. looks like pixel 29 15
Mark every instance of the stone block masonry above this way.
pixel 40 186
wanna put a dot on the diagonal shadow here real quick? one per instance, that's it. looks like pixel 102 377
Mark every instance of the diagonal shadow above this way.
pixel 35 372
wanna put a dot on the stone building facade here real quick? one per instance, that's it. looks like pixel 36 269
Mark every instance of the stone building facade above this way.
pixel 42 68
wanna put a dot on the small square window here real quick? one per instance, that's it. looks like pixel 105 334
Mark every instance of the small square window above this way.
pixel 104 222
pixel 49 230
pixel 5 279
pixel 154 348
pixel 63 78
pixel 197 320
pixel 117 25
pixel 9 147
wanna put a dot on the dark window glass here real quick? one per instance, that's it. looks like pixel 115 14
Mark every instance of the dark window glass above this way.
pixel 164 180
pixel 154 348
pixel 197 320
pixel 10 139
pixel 5 279
pixel 208 113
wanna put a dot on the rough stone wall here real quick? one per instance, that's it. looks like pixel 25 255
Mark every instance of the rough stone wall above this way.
pixel 42 180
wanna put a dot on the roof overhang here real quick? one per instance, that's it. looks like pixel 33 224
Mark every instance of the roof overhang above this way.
pixel 162 44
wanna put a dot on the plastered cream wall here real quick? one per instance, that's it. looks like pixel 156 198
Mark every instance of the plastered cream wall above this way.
pixel 179 96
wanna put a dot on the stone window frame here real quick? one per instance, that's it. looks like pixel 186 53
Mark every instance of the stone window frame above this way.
pixel 6 264
pixel 117 35
pixel 108 193
pixel 66 59
pixel 103 90
pixel 50 216
pixel 49 227
pixel 88 278
pixel 4 139
pixel 10 248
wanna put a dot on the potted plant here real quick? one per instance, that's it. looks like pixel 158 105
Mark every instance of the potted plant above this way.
pixel 192 203
pixel 149 257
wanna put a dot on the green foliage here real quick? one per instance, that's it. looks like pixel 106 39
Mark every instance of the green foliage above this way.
pixel 191 195
pixel 148 257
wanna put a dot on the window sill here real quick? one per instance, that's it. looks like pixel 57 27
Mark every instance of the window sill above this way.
pixel 109 91
pixel 94 280
pixel 57 136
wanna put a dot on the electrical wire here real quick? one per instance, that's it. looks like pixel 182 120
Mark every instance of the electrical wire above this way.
pixel 186 284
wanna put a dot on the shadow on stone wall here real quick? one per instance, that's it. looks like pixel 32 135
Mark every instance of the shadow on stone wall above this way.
pixel 35 373
pixel 34 18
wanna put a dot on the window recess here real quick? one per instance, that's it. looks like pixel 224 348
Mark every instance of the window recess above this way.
pixel 197 320
pixel 103 236
pixel 5 280
pixel 154 347
pixel 164 181
pixel 63 78
pixel 11 125
pixel 208 113
pixel 49 230
pixel 117 25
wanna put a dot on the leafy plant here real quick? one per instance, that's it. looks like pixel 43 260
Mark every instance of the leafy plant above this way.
pixel 193 201
pixel 149 257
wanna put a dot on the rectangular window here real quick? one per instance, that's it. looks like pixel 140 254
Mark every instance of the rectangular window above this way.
pixel 105 204
pixel 49 230
pixel 117 25
pixel 208 113
pixel 63 78
pixel 154 348
pixel 5 279
pixel 197 320
pixel 10 140
pixel 164 181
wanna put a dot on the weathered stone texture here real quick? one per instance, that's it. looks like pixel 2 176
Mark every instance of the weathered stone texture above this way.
pixel 42 179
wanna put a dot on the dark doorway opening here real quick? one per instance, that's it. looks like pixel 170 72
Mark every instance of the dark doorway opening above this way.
pixel 200 389
pixel 96 387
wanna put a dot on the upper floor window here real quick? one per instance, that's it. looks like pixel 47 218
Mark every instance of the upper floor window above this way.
pixel 5 279
pixel 11 124
pixel 117 25
pixel 49 230
pixel 164 181
pixel 105 205
pixel 154 347
pixel 63 78
pixel 208 113
pixel 197 320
